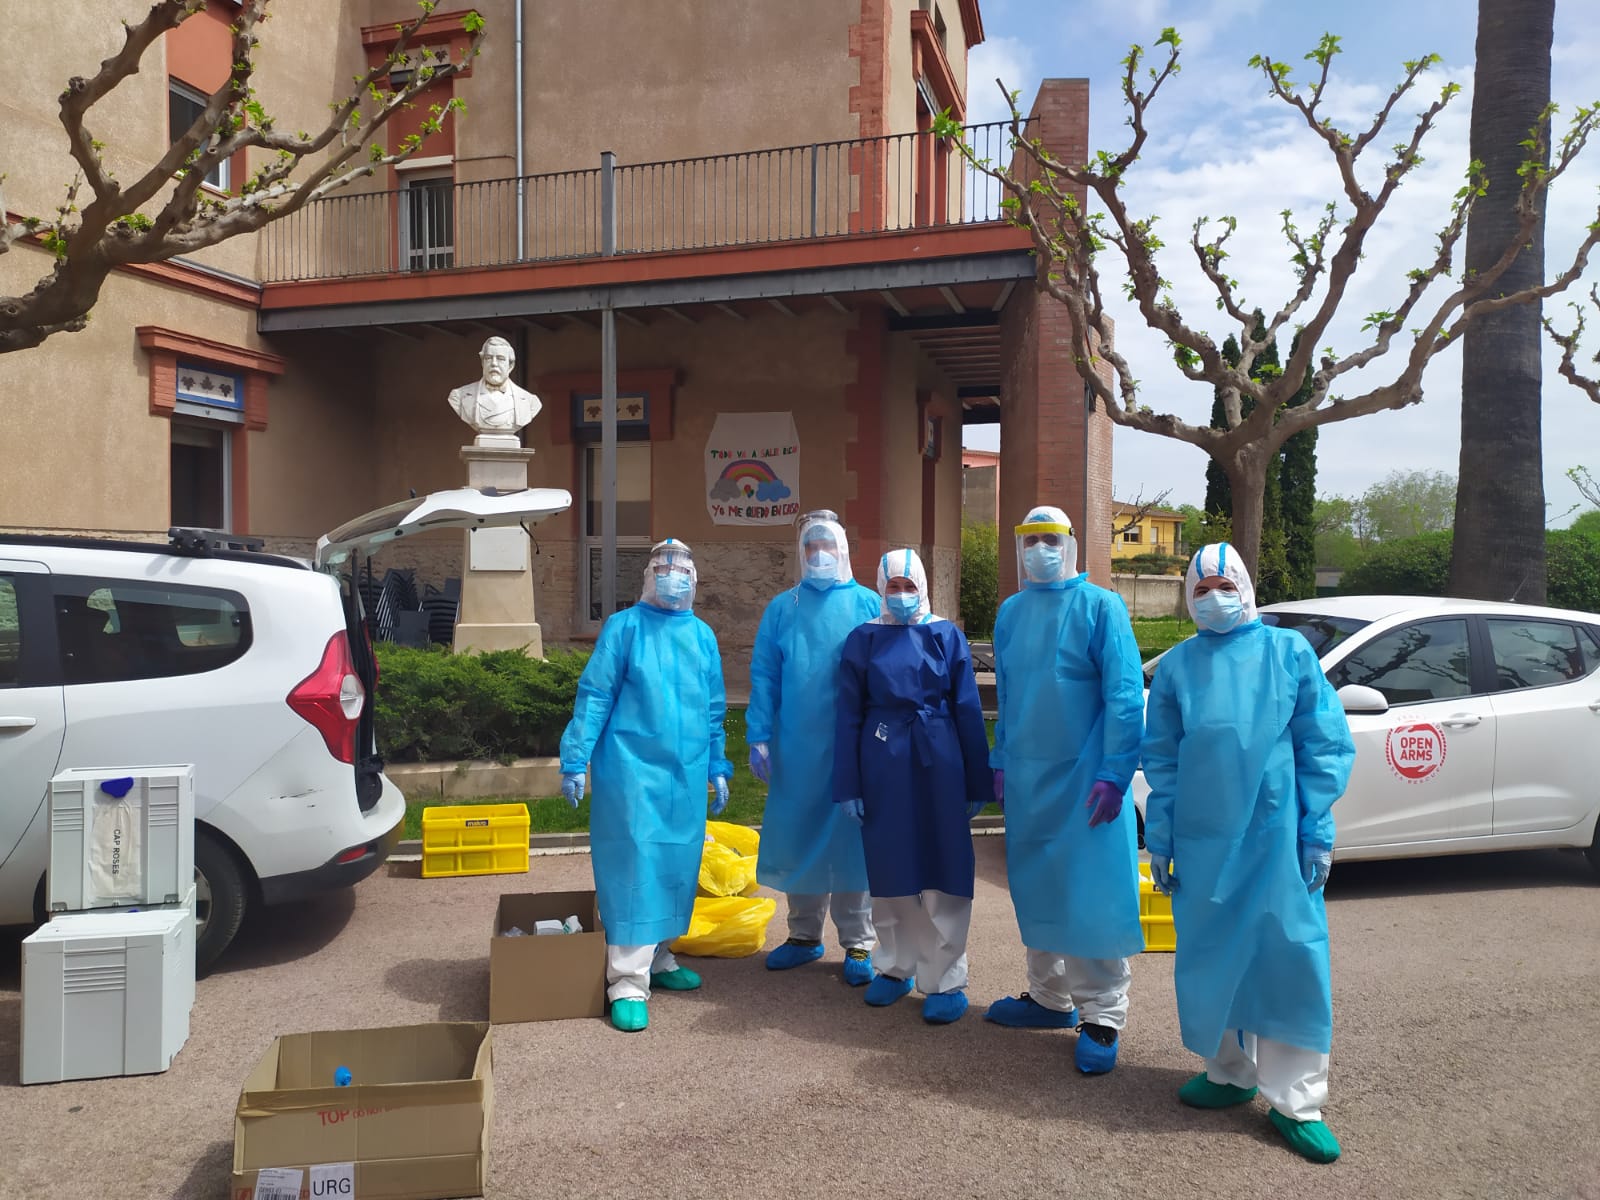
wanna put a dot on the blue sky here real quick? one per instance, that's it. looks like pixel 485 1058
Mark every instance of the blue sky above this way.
pixel 1221 146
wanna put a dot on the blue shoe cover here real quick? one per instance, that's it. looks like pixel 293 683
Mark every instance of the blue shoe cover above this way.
pixel 793 954
pixel 1024 1012
pixel 1093 1058
pixel 944 1008
pixel 679 979
pixel 885 990
pixel 858 970
pixel 630 1016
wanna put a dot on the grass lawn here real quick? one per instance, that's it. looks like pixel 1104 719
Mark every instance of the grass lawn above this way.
pixel 747 795
pixel 1155 634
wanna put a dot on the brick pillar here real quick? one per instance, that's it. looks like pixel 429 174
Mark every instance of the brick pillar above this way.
pixel 867 344
pixel 1052 450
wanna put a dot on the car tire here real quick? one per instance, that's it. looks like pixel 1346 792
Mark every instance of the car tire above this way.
pixel 1593 852
pixel 221 896
pixel 1139 817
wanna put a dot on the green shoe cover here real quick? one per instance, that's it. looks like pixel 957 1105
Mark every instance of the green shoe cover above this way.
pixel 679 980
pixel 1311 1139
pixel 1201 1092
pixel 630 1016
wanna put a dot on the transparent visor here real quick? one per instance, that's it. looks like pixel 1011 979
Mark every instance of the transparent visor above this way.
pixel 1046 551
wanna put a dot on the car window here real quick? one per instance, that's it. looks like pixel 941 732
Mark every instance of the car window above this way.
pixel 1591 639
pixel 1412 664
pixel 10 633
pixel 111 630
pixel 1322 631
pixel 1534 653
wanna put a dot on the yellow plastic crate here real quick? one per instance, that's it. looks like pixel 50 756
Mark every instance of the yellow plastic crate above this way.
pixel 1155 914
pixel 474 839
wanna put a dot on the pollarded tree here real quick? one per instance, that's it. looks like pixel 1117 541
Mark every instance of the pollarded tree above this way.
pixel 1069 236
pixel 164 212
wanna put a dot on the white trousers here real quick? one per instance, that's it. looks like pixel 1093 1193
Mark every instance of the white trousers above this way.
pixel 923 938
pixel 1096 987
pixel 1293 1080
pixel 852 917
pixel 628 969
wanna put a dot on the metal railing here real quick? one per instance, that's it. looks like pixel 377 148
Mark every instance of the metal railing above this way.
pixel 822 190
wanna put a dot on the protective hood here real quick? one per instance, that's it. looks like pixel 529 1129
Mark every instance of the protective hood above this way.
pixel 1045 535
pixel 897 564
pixel 1219 558
pixel 670 561
pixel 823 537
pixel 458 508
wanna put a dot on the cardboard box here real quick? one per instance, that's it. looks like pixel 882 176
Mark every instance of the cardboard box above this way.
pixel 413 1124
pixel 548 977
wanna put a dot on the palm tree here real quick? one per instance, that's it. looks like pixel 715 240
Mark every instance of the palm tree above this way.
pixel 1500 514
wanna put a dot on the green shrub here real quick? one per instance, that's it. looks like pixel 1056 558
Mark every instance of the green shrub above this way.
pixel 436 706
pixel 1150 564
pixel 980 578
pixel 1572 570
pixel 1418 566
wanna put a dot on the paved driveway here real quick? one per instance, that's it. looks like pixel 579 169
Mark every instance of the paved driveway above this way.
pixel 1465 1061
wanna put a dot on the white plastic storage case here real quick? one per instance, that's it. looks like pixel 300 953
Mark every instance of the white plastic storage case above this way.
pixel 107 993
pixel 109 851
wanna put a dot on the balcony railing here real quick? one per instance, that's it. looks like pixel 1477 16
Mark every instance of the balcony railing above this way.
pixel 821 190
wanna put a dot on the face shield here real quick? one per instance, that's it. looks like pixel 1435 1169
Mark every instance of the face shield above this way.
pixel 1219 610
pixel 902 606
pixel 824 550
pixel 1046 550
pixel 669 578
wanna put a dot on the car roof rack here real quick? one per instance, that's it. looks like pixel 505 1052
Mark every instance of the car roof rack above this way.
pixel 202 543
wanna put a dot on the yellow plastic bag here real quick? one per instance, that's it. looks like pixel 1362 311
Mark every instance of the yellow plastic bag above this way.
pixel 724 871
pixel 739 838
pixel 727 927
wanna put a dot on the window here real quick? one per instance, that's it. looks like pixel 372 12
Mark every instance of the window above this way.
pixel 633 524
pixel 1592 649
pixel 1531 654
pixel 184 105
pixel 1324 633
pixel 112 630
pixel 201 475
pixel 1429 661
pixel 1132 535
pixel 10 633
pixel 427 223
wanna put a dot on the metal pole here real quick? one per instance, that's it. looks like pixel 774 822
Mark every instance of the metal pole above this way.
pixel 608 203
pixel 608 460
pixel 813 189
pixel 522 231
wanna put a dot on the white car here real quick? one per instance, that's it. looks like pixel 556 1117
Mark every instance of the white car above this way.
pixel 1476 724
pixel 255 668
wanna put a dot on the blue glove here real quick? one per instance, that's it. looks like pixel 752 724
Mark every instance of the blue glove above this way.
pixel 1161 874
pixel 1105 802
pixel 721 801
pixel 1315 866
pixel 974 807
pixel 760 762
pixel 572 788
pixel 855 810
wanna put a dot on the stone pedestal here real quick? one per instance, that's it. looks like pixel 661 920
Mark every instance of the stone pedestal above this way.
pixel 497 611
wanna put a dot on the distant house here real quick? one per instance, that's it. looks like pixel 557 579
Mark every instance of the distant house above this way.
pixel 1156 531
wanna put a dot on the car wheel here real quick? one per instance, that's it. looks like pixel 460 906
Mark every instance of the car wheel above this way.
pixel 1139 817
pixel 1593 852
pixel 220 896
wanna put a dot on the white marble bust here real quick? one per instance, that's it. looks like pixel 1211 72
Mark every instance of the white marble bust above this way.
pixel 496 408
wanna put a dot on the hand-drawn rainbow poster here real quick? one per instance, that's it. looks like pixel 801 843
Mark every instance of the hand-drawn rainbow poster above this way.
pixel 753 469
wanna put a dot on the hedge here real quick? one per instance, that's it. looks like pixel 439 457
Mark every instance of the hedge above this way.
pixel 437 706
pixel 1420 566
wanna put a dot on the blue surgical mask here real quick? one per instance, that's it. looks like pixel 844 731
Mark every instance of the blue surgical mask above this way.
pixel 822 569
pixel 671 588
pixel 904 606
pixel 1219 612
pixel 1043 563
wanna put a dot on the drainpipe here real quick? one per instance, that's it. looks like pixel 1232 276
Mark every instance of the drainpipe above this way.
pixel 522 216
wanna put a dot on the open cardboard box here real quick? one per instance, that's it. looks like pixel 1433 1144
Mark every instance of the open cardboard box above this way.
pixel 548 977
pixel 413 1124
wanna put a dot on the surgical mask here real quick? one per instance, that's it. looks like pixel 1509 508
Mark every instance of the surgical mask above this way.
pixel 822 569
pixel 672 588
pixel 1042 562
pixel 904 606
pixel 1219 611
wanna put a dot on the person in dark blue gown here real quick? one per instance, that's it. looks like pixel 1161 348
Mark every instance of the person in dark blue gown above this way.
pixel 911 764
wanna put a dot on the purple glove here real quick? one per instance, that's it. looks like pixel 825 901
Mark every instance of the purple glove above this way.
pixel 1105 802
pixel 761 762
pixel 1000 788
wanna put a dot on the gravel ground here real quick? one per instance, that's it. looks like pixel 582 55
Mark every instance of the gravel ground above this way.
pixel 1466 1016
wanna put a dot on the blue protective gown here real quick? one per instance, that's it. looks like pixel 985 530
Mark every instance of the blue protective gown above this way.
pixel 808 847
pixel 1246 749
pixel 1071 702
pixel 911 746
pixel 647 724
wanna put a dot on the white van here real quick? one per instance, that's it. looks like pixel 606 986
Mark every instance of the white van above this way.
pixel 256 668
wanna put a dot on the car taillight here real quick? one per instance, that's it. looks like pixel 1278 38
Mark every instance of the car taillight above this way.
pixel 331 698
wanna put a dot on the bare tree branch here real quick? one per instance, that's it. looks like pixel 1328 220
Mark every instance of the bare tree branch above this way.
pixel 1139 508
pixel 1569 353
